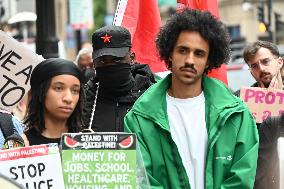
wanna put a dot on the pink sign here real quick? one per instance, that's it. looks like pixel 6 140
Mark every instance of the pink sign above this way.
pixel 263 102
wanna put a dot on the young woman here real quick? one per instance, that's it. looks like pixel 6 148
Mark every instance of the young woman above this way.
pixel 55 101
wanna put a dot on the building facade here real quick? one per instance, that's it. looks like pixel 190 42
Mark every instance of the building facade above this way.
pixel 242 19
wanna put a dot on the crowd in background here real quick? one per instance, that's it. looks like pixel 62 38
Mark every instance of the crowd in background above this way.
pixel 193 132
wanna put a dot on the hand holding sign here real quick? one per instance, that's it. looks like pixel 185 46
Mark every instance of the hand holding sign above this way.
pixel 276 82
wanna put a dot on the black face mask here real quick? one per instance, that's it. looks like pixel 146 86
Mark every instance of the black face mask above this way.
pixel 115 79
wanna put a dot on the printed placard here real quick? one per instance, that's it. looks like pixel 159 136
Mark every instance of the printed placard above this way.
pixel 16 65
pixel 99 160
pixel 263 102
pixel 34 167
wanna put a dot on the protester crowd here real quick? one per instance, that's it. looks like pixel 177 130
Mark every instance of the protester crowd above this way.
pixel 193 132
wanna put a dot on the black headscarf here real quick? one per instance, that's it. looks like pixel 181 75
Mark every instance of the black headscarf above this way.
pixel 52 67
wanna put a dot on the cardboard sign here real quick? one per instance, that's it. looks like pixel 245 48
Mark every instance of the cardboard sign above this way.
pixel 35 167
pixel 101 160
pixel 16 65
pixel 263 102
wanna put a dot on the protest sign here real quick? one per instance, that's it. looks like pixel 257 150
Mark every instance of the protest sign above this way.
pixel 35 167
pixel 16 65
pixel 99 160
pixel 263 102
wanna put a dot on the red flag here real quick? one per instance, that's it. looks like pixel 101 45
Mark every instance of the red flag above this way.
pixel 142 19
pixel 212 6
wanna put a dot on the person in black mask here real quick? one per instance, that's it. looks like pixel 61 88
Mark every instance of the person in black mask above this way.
pixel 119 80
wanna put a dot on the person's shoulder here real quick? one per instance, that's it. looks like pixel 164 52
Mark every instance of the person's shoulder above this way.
pixel 143 76
pixel 141 69
pixel 19 126
pixel 218 93
pixel 2 139
pixel 238 92
pixel 155 92
pixel 10 118
pixel 11 128
pixel 215 86
pixel 6 118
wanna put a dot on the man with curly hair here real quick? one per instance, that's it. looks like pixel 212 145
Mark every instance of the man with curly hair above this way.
pixel 192 131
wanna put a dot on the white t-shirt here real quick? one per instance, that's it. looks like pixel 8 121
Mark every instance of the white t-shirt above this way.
pixel 188 130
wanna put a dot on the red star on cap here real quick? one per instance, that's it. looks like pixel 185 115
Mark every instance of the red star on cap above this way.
pixel 106 38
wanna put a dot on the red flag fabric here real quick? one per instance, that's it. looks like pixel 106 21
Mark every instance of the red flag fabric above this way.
pixel 211 6
pixel 142 19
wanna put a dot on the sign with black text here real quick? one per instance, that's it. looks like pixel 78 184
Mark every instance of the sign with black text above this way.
pixel 101 160
pixel 16 65
pixel 34 167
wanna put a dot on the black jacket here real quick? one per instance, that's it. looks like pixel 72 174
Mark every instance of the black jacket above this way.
pixel 267 173
pixel 238 92
pixel 268 170
pixel 110 110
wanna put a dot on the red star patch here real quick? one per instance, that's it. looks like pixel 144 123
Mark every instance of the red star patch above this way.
pixel 106 38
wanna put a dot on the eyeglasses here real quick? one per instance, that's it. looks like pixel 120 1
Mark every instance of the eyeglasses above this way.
pixel 263 62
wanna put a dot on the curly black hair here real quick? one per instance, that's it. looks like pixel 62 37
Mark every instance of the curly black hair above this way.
pixel 208 27
pixel 35 111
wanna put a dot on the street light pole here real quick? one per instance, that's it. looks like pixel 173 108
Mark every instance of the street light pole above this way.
pixel 46 40
pixel 269 8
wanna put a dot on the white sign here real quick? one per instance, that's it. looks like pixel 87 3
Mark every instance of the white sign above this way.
pixel 37 167
pixel 16 65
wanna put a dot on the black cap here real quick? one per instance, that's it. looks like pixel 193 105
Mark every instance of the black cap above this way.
pixel 111 40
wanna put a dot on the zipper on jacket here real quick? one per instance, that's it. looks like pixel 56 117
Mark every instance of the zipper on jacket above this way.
pixel 222 124
pixel 215 138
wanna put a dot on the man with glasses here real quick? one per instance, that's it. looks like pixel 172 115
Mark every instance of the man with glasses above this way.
pixel 265 65
pixel 119 81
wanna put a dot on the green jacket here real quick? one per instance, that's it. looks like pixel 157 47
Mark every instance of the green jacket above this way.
pixel 232 138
